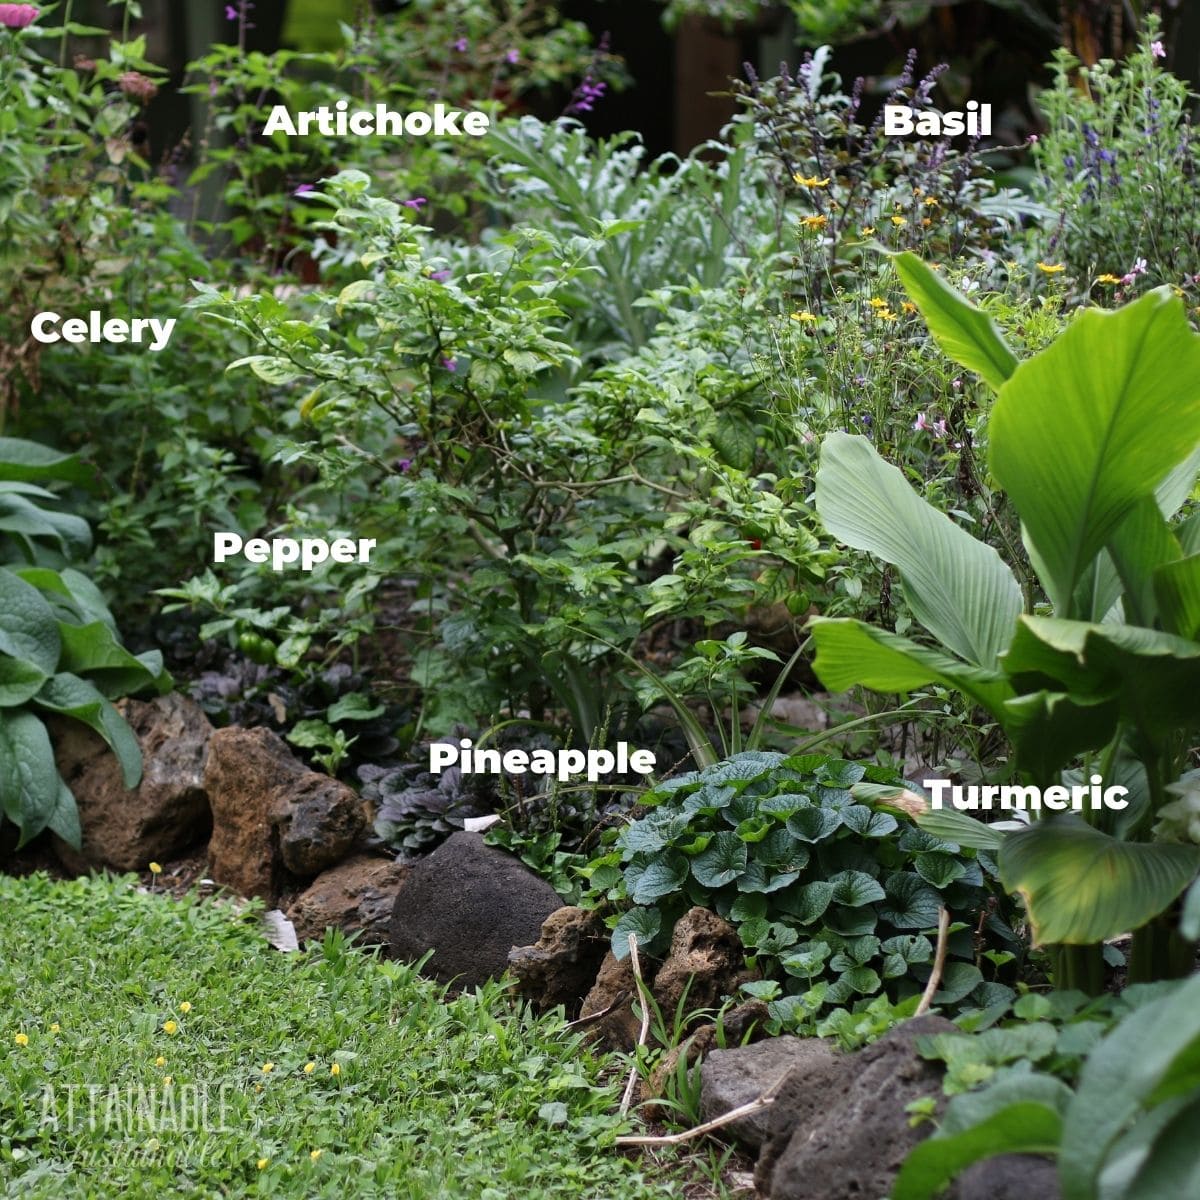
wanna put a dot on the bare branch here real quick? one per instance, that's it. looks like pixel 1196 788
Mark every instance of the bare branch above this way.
pixel 939 962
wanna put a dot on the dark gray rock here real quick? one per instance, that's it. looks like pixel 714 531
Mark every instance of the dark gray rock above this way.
pixel 731 1078
pixel 849 1131
pixel 560 968
pixel 1009 1177
pixel 470 904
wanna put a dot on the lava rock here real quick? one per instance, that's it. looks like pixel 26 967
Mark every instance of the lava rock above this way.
pixel 613 994
pixel 124 829
pixel 849 1132
pixel 356 896
pixel 1009 1177
pixel 470 904
pixel 560 967
pixel 731 1078
pixel 706 960
pixel 274 820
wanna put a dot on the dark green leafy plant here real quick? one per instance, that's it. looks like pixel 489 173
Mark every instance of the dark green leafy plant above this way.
pixel 831 896
pixel 59 648
pixel 1126 1132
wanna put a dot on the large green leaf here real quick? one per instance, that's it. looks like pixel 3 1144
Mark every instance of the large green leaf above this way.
pixel 29 780
pixel 93 650
pixel 965 333
pixel 75 697
pixel 957 587
pixel 1153 676
pixel 22 460
pixel 1141 544
pixel 1081 886
pixel 1049 728
pixel 1092 424
pixel 1151 1055
pixel 850 652
pixel 28 630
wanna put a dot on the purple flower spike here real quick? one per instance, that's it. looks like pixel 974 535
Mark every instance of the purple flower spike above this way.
pixel 439 276
pixel 1158 50
pixel 416 203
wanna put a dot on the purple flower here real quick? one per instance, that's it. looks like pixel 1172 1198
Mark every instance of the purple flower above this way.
pixel 404 464
pixel 416 203
pixel 1158 50
pixel 512 57
pixel 462 45
pixel 439 276
pixel 231 13
pixel 304 189
pixel 450 364
pixel 586 94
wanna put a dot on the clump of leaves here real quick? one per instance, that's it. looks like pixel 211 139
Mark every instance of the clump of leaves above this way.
pixel 834 899
pixel 417 810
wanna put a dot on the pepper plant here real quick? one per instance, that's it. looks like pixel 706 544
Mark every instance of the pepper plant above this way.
pixel 1096 440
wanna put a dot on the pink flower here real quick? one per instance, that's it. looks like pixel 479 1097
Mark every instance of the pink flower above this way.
pixel 17 16
pixel 921 423
pixel 512 57
pixel 1138 268
pixel 451 364
pixel 304 189
pixel 939 428
pixel 1158 50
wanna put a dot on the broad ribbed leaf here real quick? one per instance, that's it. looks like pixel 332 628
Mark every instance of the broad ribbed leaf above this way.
pixel 965 333
pixel 1177 594
pixel 1049 728
pixel 27 772
pixel 957 587
pixel 1081 886
pixel 20 459
pixel 93 650
pixel 855 888
pixel 1130 1066
pixel 959 827
pixel 850 652
pixel 1154 677
pixel 911 903
pixel 644 923
pixel 660 877
pixel 1092 424
pixel 28 630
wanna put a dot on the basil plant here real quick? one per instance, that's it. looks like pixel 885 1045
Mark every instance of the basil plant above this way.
pixel 1096 440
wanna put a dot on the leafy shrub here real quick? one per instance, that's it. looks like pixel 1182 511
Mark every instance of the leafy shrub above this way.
pixel 59 648
pixel 828 892
pixel 1127 1131
pixel 1118 164
pixel 1097 479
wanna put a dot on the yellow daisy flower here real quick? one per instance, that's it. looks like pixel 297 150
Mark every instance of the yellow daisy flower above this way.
pixel 811 181
pixel 816 222
pixel 1050 268
pixel 186 1007
pixel 22 1039
pixel 899 221
pixel 263 1164
pixel 267 1068
pixel 170 1028
pixel 867 230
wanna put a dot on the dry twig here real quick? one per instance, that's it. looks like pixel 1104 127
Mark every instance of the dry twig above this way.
pixel 627 1098
pixel 939 963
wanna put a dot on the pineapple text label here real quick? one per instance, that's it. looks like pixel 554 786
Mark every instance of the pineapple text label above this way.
pixel 1056 798
pixel 362 122
pixel 561 763
pixel 286 553
pixel 46 328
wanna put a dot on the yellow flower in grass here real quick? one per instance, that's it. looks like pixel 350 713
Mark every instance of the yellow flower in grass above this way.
pixel 804 317
pixel 885 314
pixel 156 868
pixel 263 1164
pixel 908 307
pixel 336 1069
pixel 22 1039
pixel 811 181
pixel 186 1007
pixel 314 1154
pixel 309 1068
pixel 816 222
pixel 1109 278
pixel 867 230
pixel 876 302
pixel 1051 268
pixel 160 1061
pixel 170 1028
pixel 168 1080
pixel 267 1068
pixel 932 202
pixel 899 222
pixel 55 1028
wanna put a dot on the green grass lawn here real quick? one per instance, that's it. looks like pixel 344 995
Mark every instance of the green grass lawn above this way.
pixel 155 1047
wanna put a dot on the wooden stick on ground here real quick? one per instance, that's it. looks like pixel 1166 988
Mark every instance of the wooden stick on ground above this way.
pixel 627 1098
pixel 939 963
pixel 734 1114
